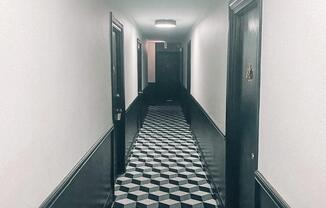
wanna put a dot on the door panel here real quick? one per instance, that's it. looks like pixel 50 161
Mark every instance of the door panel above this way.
pixel 167 74
pixel 248 105
pixel 139 66
pixel 189 67
pixel 188 82
pixel 140 83
pixel 118 100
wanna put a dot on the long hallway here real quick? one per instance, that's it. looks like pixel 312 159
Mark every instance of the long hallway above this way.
pixel 162 103
pixel 164 167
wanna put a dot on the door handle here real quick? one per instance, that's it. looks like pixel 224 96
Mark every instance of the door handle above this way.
pixel 119 114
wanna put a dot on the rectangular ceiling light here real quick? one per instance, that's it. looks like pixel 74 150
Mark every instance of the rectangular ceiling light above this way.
pixel 165 23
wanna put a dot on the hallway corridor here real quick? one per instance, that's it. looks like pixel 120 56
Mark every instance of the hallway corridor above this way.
pixel 162 103
pixel 164 168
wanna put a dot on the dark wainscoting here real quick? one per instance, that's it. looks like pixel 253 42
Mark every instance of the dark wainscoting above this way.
pixel 134 119
pixel 210 140
pixel 90 183
pixel 266 195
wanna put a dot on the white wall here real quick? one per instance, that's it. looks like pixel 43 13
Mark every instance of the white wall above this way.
pixel 55 91
pixel 130 61
pixel 209 62
pixel 292 146
pixel 151 53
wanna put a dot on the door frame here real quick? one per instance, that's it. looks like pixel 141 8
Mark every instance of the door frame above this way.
pixel 115 23
pixel 189 67
pixel 139 66
pixel 236 9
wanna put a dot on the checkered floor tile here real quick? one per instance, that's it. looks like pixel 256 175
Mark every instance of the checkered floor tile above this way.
pixel 164 168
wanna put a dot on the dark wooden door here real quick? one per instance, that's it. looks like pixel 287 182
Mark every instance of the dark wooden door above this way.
pixel 118 98
pixel 189 67
pixel 244 91
pixel 181 66
pixel 168 75
pixel 139 66
pixel 248 106
pixel 142 107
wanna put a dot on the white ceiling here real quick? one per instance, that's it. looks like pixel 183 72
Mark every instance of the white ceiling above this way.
pixel 145 12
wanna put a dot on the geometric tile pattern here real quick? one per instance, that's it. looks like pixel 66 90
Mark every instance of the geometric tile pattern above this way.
pixel 164 168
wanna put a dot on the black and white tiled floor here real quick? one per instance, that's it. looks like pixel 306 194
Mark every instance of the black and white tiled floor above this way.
pixel 164 168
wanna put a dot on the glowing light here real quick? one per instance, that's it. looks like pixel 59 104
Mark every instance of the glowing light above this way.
pixel 165 23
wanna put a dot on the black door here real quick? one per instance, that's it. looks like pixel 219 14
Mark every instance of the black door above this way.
pixel 142 108
pixel 189 67
pixel 118 98
pixel 181 66
pixel 139 66
pixel 188 86
pixel 246 81
pixel 248 103
pixel 167 75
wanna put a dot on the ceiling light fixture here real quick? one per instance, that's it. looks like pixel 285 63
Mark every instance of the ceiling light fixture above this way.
pixel 157 41
pixel 165 23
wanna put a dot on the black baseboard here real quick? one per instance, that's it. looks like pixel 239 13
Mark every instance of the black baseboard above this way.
pixel 266 195
pixel 211 142
pixel 90 183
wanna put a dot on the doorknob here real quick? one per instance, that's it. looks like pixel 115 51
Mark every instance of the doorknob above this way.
pixel 252 155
